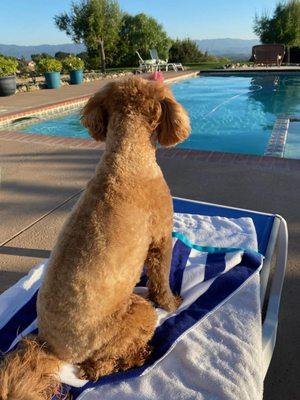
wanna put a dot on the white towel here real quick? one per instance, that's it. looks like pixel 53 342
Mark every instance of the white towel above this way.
pixel 221 359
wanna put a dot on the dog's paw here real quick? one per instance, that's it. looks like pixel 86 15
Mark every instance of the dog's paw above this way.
pixel 89 371
pixel 83 373
pixel 93 369
pixel 172 303
pixel 178 301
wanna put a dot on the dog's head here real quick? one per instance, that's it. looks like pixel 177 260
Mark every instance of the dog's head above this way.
pixel 136 97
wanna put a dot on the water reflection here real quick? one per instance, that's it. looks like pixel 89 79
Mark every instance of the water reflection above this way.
pixel 278 94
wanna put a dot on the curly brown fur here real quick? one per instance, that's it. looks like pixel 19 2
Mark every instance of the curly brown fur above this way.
pixel 126 211
pixel 87 312
pixel 132 349
pixel 29 373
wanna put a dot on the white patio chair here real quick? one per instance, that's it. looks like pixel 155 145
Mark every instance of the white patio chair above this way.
pixel 146 65
pixel 165 63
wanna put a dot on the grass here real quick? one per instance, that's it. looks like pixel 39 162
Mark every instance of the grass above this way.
pixel 199 66
pixel 218 64
pixel 121 69
pixel 215 64
pixel 206 65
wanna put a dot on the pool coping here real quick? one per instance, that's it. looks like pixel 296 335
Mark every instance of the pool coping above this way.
pixel 277 140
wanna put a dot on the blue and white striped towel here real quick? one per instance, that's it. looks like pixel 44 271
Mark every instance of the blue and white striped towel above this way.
pixel 204 280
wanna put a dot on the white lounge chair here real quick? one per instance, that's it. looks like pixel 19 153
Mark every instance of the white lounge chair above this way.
pixel 165 63
pixel 146 65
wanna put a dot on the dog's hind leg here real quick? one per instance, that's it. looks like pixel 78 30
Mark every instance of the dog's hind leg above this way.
pixel 128 347
pixel 158 264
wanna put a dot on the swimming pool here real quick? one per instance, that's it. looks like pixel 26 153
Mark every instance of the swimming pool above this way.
pixel 228 113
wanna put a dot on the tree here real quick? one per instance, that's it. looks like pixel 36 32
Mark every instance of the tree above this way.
pixel 283 27
pixel 37 57
pixel 60 55
pixel 95 23
pixel 140 33
pixel 185 51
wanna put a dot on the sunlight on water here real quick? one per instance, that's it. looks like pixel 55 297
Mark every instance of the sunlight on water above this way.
pixel 228 113
pixel 236 114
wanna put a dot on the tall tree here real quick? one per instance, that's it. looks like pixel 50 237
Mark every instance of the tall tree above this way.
pixel 186 51
pixel 60 55
pixel 37 57
pixel 140 33
pixel 283 27
pixel 95 23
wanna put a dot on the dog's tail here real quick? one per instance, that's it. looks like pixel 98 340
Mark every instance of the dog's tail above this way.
pixel 29 372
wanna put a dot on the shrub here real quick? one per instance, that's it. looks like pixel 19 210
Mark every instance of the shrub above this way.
pixel 138 33
pixel 185 51
pixel 8 66
pixel 49 65
pixel 37 57
pixel 61 55
pixel 72 63
pixel 224 60
pixel 93 63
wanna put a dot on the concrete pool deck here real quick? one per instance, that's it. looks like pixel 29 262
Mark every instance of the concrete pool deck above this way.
pixel 41 181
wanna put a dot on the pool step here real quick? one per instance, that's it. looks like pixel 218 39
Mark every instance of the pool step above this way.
pixel 276 144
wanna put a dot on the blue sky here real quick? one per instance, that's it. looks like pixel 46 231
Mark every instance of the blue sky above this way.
pixel 30 22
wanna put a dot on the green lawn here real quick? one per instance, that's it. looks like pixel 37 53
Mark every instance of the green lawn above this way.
pixel 201 66
pixel 206 65
pixel 120 69
pixel 216 64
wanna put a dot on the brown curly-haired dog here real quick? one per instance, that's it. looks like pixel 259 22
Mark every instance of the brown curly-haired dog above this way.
pixel 87 312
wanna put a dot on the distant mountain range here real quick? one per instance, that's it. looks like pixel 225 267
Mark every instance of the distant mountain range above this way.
pixel 234 48
pixel 26 51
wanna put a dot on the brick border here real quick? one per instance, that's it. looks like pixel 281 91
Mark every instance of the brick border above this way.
pixel 50 140
pixel 212 157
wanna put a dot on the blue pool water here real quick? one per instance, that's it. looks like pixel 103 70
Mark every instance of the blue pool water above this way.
pixel 228 113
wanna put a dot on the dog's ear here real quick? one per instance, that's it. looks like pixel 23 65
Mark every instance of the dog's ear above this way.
pixel 174 124
pixel 94 115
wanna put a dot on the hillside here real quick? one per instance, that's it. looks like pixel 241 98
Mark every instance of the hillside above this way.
pixel 26 51
pixel 234 48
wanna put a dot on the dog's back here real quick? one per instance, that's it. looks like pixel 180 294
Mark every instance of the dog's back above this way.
pixel 125 212
pixel 100 254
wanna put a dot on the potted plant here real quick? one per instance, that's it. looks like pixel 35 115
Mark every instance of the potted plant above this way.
pixel 51 68
pixel 74 65
pixel 8 69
